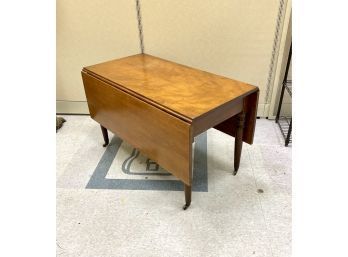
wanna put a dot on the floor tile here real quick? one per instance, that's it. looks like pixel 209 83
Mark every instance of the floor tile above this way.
pixel 233 218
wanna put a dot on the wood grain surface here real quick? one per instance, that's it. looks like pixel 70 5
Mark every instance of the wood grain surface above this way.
pixel 230 125
pixel 185 92
pixel 160 136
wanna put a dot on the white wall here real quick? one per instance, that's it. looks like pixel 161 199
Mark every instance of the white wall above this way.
pixel 89 32
pixel 232 38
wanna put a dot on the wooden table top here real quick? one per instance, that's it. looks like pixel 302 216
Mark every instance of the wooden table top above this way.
pixel 179 89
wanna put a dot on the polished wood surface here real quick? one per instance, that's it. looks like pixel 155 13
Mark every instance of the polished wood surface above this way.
pixel 185 92
pixel 217 116
pixel 162 137
pixel 240 119
pixel 229 126
pixel 159 107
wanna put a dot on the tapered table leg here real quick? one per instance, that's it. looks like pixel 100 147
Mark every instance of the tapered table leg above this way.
pixel 188 193
pixel 105 135
pixel 238 141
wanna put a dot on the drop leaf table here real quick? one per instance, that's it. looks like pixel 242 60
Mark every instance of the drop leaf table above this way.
pixel 159 106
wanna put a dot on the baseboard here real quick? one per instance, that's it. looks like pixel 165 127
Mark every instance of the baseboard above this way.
pixel 71 107
pixel 262 110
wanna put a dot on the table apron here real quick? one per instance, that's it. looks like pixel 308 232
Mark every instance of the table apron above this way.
pixel 216 116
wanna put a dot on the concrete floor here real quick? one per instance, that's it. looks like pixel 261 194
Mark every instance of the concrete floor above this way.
pixel 229 215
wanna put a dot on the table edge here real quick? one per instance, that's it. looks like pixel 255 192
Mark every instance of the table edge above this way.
pixel 163 107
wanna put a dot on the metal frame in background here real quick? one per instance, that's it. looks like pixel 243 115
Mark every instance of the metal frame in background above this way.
pixel 285 123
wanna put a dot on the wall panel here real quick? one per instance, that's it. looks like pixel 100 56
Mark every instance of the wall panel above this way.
pixel 232 38
pixel 89 32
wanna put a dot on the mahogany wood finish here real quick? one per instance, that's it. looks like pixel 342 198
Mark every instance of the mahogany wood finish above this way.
pixel 188 193
pixel 229 126
pixel 159 107
pixel 184 91
pixel 162 137
pixel 238 141
pixel 217 116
